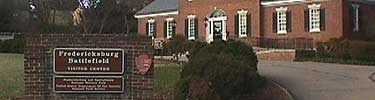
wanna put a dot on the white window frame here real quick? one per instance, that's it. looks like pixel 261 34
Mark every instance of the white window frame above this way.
pixel 314 17
pixel 281 20
pixel 191 27
pixel 356 17
pixel 150 22
pixel 169 27
pixel 242 23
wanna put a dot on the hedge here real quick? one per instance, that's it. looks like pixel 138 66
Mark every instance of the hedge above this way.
pixel 220 71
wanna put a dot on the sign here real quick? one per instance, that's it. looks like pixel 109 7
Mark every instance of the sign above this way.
pixel 143 63
pixel 88 84
pixel 88 61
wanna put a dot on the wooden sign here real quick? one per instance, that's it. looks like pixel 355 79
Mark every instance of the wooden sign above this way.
pixel 88 61
pixel 143 63
pixel 88 84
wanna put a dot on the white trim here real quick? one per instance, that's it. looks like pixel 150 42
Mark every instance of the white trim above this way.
pixel 169 32
pixel 240 22
pixel 157 14
pixel 151 20
pixel 218 18
pixel 356 14
pixel 282 9
pixel 191 18
pixel 281 12
pixel 169 19
pixel 314 27
pixel 314 6
pixel 287 2
pixel 242 11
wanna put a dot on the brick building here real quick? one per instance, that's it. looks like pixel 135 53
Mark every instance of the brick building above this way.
pixel 256 21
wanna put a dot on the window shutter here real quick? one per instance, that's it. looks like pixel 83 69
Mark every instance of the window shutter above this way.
pixel 248 26
pixel 274 16
pixel 155 29
pixel 174 28
pixel 147 29
pixel 322 19
pixel 351 18
pixel 289 21
pixel 165 29
pixel 187 28
pixel 196 33
pixel 236 26
pixel 359 19
pixel 307 21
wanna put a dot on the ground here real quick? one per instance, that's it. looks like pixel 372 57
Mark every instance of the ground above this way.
pixel 11 75
pixel 322 81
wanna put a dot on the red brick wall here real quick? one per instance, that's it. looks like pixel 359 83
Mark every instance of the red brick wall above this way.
pixel 366 24
pixel 277 56
pixel 39 71
pixel 334 21
pixel 203 8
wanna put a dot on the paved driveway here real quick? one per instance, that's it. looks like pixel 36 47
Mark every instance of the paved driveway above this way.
pixel 322 81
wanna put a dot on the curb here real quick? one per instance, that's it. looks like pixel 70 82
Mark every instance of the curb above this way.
pixel 284 89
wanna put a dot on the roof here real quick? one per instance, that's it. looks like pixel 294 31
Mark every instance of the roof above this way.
pixel 159 6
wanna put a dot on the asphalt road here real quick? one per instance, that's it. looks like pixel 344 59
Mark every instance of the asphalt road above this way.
pixel 322 81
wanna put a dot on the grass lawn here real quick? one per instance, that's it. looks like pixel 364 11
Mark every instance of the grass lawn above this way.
pixel 11 75
pixel 166 75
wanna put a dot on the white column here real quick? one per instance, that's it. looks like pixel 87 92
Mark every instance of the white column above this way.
pixel 224 33
pixel 207 31
pixel 211 30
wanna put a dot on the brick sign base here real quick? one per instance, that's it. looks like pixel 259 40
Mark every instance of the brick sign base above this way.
pixel 40 76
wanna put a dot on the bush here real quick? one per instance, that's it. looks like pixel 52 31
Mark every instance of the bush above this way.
pixel 15 45
pixel 347 50
pixel 226 70
pixel 175 45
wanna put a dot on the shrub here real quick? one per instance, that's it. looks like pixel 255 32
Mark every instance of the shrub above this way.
pixel 175 45
pixel 228 68
pixel 15 45
pixel 347 49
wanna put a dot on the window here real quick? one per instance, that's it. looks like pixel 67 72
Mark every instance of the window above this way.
pixel 314 18
pixel 281 22
pixel 242 23
pixel 170 28
pixel 151 28
pixel 355 17
pixel 192 28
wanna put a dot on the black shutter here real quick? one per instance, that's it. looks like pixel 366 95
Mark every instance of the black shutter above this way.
pixel 289 21
pixel 187 28
pixel 360 13
pixel 236 26
pixel 165 29
pixel 174 28
pixel 248 27
pixel 196 33
pixel 274 17
pixel 155 29
pixel 322 19
pixel 147 28
pixel 351 18
pixel 307 21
